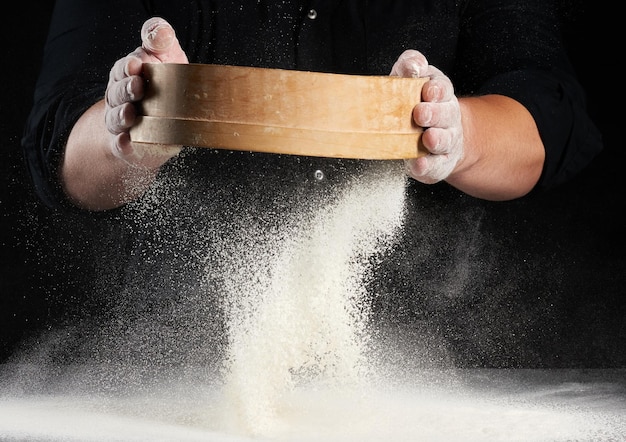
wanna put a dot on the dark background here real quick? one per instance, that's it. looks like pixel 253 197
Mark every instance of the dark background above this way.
pixel 573 237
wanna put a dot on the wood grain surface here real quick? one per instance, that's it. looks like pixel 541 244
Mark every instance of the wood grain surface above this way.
pixel 279 111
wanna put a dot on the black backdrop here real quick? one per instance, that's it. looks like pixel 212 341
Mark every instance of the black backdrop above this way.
pixel 578 229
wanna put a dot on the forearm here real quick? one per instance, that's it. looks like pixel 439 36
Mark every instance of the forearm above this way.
pixel 91 176
pixel 504 153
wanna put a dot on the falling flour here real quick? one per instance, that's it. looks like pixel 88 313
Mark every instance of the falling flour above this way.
pixel 297 304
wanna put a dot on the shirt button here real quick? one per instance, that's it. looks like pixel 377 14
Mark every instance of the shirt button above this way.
pixel 312 14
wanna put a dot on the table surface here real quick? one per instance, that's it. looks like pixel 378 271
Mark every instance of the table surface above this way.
pixel 462 405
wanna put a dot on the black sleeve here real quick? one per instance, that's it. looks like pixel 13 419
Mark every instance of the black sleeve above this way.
pixel 557 103
pixel 515 48
pixel 85 39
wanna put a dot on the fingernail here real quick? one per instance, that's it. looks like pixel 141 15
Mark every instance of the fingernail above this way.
pixel 129 90
pixel 435 92
pixel 152 38
pixel 427 117
pixel 122 116
pixel 415 70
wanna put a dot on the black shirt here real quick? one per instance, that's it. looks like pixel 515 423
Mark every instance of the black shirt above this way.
pixel 507 47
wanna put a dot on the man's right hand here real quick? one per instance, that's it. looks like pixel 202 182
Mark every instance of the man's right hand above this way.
pixel 126 87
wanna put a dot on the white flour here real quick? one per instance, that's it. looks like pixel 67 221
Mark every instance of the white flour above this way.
pixel 298 310
pixel 299 362
pixel 543 408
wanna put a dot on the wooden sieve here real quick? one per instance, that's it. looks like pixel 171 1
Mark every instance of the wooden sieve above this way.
pixel 279 111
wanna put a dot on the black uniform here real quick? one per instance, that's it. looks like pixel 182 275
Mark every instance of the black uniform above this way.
pixel 487 46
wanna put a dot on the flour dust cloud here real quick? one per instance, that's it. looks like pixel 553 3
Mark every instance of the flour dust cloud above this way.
pixel 301 359
pixel 297 307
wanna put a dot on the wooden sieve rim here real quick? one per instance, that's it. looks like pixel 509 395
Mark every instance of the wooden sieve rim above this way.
pixel 279 111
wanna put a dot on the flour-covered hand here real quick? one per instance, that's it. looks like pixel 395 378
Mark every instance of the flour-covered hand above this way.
pixel 126 87
pixel 440 116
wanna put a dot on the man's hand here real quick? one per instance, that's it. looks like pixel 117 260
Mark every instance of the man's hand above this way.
pixel 440 116
pixel 126 87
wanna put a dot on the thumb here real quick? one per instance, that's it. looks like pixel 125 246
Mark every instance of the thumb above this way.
pixel 159 40
pixel 410 63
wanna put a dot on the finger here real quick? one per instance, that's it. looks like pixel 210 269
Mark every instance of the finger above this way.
pixel 429 169
pixel 129 89
pixel 135 61
pixel 410 63
pixel 123 146
pixel 423 114
pixel 149 157
pixel 438 89
pixel 120 118
pixel 438 141
pixel 418 168
pixel 445 115
pixel 159 40
pixel 118 71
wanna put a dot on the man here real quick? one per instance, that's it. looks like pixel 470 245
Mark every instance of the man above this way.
pixel 503 113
